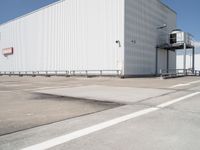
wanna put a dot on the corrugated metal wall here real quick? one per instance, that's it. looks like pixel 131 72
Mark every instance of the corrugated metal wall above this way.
pixel 180 60
pixel 142 17
pixel 82 35
pixel 69 35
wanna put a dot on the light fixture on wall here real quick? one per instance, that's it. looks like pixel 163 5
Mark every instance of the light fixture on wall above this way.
pixel 162 27
pixel 118 42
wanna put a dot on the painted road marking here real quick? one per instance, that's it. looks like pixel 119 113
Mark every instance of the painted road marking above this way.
pixel 177 100
pixel 185 84
pixel 83 132
pixel 179 85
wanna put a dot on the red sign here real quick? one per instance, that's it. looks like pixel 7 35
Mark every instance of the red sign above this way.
pixel 8 51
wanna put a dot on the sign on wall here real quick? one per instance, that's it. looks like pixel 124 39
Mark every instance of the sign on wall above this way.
pixel 8 51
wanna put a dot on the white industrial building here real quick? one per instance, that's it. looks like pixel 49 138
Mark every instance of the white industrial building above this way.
pixel 90 36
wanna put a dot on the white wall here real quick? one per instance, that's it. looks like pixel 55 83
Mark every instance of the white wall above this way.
pixel 180 61
pixel 142 17
pixel 172 60
pixel 69 35
pixel 82 35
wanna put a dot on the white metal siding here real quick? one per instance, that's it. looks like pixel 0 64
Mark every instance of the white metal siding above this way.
pixel 162 60
pixel 180 60
pixel 172 60
pixel 142 17
pixel 69 35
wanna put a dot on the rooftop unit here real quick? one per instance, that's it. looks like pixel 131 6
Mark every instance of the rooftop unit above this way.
pixel 178 38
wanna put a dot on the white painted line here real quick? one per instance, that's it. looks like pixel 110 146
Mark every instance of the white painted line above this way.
pixel 179 85
pixel 83 132
pixel 185 84
pixel 177 100
pixel 68 137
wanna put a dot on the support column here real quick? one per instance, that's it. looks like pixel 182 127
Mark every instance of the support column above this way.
pixel 167 61
pixel 184 58
pixel 193 60
pixel 156 64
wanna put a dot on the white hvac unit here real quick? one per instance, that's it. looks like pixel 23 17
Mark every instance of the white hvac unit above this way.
pixel 178 37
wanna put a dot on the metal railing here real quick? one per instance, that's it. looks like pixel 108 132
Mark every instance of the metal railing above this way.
pixel 166 39
pixel 66 73
pixel 172 73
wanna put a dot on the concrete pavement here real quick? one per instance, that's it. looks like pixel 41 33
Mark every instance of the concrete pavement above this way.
pixel 175 127
pixel 122 95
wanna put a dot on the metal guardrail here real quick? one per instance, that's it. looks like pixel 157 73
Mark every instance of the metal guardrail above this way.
pixel 66 73
pixel 173 73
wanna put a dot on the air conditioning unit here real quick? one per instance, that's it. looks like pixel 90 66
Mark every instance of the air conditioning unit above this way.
pixel 178 37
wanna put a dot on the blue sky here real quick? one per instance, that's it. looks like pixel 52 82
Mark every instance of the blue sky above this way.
pixel 10 9
pixel 187 12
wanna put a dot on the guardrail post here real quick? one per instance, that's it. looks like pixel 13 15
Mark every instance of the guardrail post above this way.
pixel 161 72
pixel 117 72
pixel 86 73
pixel 46 73
pixel 66 73
pixel 72 72
pixel 101 72
pixel 193 59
